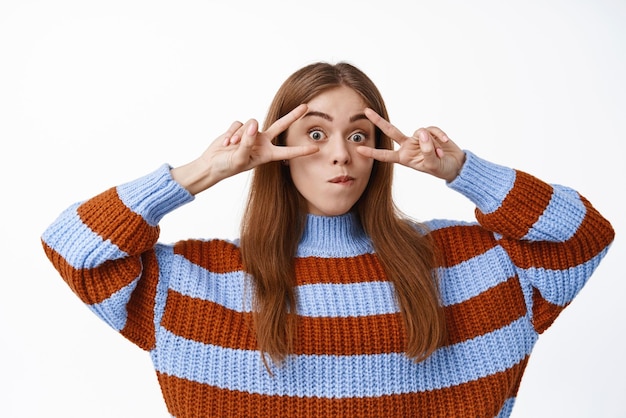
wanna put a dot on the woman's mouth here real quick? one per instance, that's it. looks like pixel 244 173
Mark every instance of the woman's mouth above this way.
pixel 342 180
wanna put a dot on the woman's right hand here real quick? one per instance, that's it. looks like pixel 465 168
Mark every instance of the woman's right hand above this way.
pixel 241 148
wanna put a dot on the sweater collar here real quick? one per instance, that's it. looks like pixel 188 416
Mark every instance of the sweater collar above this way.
pixel 333 236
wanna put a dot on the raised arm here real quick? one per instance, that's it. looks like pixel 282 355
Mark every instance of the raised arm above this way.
pixel 553 236
pixel 106 247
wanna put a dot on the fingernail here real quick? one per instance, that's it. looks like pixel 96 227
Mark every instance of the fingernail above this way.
pixel 251 129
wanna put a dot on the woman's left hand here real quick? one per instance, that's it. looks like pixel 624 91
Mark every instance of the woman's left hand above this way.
pixel 429 150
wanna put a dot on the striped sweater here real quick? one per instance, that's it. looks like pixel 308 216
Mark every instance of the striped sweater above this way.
pixel 504 279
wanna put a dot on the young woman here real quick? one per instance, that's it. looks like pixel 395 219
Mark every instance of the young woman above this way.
pixel 333 303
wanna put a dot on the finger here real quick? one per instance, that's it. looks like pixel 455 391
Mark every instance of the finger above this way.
pixel 287 153
pixel 385 126
pixel 234 127
pixel 285 122
pixel 233 140
pixel 236 138
pixel 427 144
pixel 384 155
pixel 438 133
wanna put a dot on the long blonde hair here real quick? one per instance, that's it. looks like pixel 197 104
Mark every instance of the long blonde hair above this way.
pixel 274 219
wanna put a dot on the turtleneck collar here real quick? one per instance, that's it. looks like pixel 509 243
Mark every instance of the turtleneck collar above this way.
pixel 333 236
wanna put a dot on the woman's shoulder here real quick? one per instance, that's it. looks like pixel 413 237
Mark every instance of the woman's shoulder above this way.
pixel 211 253
pixel 461 236
pixel 437 224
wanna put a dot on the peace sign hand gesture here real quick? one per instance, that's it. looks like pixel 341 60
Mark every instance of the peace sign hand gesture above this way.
pixel 429 150
pixel 241 148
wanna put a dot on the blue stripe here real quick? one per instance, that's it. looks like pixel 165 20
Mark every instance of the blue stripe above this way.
pixel 561 219
pixel 113 309
pixel 345 300
pixel 474 276
pixel 233 291
pixel 561 286
pixel 77 243
pixel 507 408
pixel 330 376
pixel 226 289
pixel 435 224
pixel 165 258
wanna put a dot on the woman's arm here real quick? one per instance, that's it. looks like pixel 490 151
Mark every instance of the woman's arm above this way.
pixel 105 248
pixel 552 234
pixel 554 237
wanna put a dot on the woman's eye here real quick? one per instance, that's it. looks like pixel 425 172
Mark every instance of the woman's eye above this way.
pixel 358 137
pixel 316 135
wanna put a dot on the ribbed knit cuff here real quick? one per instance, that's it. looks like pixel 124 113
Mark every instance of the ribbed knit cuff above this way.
pixel 486 184
pixel 154 195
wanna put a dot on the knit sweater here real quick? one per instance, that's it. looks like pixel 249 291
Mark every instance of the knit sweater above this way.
pixel 504 278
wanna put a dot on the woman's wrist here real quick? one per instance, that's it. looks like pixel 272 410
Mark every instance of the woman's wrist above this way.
pixel 195 176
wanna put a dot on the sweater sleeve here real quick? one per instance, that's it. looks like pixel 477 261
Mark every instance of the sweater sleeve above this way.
pixel 105 249
pixel 553 235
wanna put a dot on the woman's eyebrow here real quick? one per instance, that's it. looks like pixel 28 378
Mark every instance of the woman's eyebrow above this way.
pixel 358 116
pixel 329 118
pixel 319 114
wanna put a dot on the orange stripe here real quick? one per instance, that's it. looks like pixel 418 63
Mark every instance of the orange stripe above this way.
pixel 97 284
pixel 527 193
pixel 372 334
pixel 544 312
pixel 461 243
pixel 358 269
pixel 592 236
pixel 596 227
pixel 320 335
pixel 486 312
pixel 223 257
pixel 139 327
pixel 208 322
pixel 107 216
pixel 217 256
pixel 483 397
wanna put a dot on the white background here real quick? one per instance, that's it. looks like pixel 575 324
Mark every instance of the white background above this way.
pixel 93 94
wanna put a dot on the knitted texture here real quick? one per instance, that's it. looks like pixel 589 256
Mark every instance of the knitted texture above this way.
pixel 504 279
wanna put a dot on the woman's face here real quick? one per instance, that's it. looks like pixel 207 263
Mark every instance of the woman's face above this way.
pixel 333 179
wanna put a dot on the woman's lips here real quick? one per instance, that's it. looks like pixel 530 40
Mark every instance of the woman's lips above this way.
pixel 342 180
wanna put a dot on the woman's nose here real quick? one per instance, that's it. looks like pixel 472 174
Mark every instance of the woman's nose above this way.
pixel 339 153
